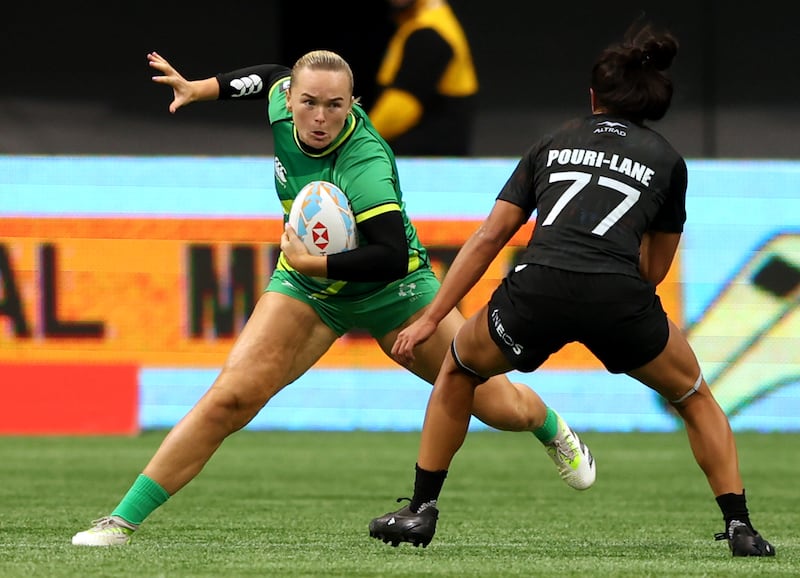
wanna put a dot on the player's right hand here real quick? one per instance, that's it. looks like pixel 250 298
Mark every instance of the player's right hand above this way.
pixel 181 88
pixel 410 337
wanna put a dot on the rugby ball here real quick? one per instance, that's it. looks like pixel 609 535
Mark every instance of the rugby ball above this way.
pixel 322 217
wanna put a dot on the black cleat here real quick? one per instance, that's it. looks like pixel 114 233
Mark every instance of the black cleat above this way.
pixel 405 526
pixel 744 541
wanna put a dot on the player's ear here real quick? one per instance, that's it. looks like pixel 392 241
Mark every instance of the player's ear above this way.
pixel 289 99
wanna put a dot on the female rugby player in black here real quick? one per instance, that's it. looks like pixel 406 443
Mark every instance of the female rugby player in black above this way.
pixel 610 200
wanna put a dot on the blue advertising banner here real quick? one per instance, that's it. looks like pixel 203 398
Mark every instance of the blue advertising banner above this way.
pixel 735 289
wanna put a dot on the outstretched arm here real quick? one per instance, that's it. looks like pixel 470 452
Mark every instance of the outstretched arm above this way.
pixel 250 83
pixel 468 267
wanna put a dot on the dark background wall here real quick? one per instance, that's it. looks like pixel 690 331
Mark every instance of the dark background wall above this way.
pixel 76 80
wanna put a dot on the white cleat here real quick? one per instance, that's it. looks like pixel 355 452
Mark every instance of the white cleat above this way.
pixel 108 531
pixel 572 457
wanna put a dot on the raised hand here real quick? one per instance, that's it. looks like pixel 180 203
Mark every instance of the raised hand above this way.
pixel 183 90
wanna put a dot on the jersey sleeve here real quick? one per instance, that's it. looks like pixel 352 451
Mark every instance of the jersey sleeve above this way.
pixel 368 178
pixel 519 188
pixel 250 83
pixel 384 258
pixel 672 214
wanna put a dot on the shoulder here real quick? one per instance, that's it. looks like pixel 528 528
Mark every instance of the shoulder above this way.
pixel 426 38
pixel 365 140
pixel 665 148
pixel 276 99
pixel 365 153
pixel 659 146
pixel 554 135
pixel 279 84
pixel 366 168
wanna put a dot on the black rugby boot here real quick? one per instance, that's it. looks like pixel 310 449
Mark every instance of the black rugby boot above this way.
pixel 745 541
pixel 406 526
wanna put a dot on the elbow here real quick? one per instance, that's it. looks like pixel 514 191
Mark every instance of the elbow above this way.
pixel 653 274
pixel 397 265
pixel 655 280
pixel 656 255
pixel 491 238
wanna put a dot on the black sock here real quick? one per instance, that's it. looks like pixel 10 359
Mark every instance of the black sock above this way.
pixel 734 507
pixel 427 486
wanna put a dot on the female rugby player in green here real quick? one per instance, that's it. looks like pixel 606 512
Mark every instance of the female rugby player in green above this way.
pixel 609 195
pixel 321 133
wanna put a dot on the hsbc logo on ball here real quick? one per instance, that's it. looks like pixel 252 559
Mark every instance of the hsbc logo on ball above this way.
pixel 319 236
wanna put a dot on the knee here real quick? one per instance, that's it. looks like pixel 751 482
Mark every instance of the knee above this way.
pixel 515 411
pixel 701 404
pixel 232 403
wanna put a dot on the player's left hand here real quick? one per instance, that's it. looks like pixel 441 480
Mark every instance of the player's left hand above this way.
pixel 410 337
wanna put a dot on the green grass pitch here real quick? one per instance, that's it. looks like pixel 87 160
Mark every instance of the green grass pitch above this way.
pixel 298 503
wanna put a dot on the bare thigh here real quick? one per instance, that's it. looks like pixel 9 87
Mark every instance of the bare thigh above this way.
pixel 282 339
pixel 476 348
pixel 497 402
pixel 675 371
pixel 428 356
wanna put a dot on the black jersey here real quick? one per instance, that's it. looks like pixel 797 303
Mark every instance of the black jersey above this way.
pixel 597 185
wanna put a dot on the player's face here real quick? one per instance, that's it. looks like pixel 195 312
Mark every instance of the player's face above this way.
pixel 319 101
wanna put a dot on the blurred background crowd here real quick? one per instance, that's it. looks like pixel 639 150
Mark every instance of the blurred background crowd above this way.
pixel 76 79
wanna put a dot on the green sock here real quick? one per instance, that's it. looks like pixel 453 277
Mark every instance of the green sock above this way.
pixel 549 428
pixel 144 496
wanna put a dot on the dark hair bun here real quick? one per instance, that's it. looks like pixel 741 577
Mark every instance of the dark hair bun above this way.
pixel 659 52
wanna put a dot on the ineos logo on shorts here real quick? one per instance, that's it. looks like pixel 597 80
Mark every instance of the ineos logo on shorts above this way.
pixel 501 331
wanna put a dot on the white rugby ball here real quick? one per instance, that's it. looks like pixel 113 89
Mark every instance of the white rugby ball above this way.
pixel 322 217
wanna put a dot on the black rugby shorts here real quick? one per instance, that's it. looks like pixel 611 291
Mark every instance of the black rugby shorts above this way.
pixel 537 310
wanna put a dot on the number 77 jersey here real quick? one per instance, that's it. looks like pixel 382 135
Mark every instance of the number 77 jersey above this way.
pixel 597 185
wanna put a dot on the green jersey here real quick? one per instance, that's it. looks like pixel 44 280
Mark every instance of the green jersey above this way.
pixel 360 163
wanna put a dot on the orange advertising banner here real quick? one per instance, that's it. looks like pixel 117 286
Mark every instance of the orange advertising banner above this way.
pixel 175 292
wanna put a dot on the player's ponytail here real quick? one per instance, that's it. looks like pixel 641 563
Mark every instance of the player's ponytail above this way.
pixel 629 78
